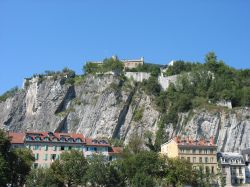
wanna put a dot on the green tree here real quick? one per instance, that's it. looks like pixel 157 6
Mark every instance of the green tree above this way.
pixel 179 172
pixel 20 163
pixel 135 144
pixel 42 177
pixel 144 168
pixel 4 170
pixel 92 68
pixel 70 168
pixel 113 64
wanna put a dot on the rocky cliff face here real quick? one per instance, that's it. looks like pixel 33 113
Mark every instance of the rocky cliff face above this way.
pixel 106 106
pixel 230 128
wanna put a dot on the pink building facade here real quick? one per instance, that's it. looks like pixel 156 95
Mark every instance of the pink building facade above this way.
pixel 48 146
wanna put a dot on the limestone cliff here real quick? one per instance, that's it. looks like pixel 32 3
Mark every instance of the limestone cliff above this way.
pixel 107 106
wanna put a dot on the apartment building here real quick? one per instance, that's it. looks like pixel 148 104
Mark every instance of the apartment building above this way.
pixel 48 146
pixel 199 152
pixel 233 168
pixel 246 156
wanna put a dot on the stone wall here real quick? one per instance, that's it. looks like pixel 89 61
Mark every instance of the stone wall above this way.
pixel 137 76
pixel 165 81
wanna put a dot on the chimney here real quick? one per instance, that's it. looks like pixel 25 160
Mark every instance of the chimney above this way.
pixel 212 140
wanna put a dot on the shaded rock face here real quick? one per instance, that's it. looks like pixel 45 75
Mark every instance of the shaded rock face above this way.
pixel 105 106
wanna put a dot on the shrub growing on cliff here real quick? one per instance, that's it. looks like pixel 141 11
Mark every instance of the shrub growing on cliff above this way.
pixel 9 93
pixel 149 68
pixel 108 64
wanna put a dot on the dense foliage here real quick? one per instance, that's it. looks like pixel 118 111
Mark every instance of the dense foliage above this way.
pixel 149 68
pixel 108 64
pixel 15 164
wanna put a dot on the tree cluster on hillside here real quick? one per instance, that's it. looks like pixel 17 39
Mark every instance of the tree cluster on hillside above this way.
pixel 15 164
pixel 197 85
pixel 108 64
pixel 154 70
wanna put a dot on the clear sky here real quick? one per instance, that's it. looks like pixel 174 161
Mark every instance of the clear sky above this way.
pixel 39 35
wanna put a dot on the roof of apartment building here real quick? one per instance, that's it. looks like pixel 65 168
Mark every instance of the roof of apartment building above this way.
pixel 19 138
pixel 16 138
pixel 95 142
pixel 231 158
pixel 188 142
pixel 116 150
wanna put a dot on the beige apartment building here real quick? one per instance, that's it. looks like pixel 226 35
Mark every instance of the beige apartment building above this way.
pixel 199 152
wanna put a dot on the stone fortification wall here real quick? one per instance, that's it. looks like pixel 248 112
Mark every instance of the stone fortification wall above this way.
pixel 165 81
pixel 140 76
pixel 137 76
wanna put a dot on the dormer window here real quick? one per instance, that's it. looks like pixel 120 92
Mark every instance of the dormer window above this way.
pixel 62 139
pixel 70 140
pixel 29 138
pixel 46 139
pixel 37 138
pixel 78 140
pixel 54 139
pixel 50 134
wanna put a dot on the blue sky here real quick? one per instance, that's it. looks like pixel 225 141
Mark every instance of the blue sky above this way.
pixel 39 35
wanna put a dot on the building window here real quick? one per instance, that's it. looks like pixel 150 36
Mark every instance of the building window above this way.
pixel 54 148
pixel 62 148
pixel 200 151
pixel 35 165
pixel 46 147
pixel 193 151
pixel 182 158
pixel 200 159
pixel 211 159
pixel 194 159
pixel 212 169
pixel 182 150
pixel 205 151
pixel 66 148
pixel 36 156
pixel 52 156
pixel 240 170
pixel 46 157
pixel 207 169
pixel 188 158
pixel 206 159
pixel 36 147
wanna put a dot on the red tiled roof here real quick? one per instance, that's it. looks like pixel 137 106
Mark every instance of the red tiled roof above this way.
pixel 116 150
pixel 89 141
pixel 16 138
pixel 19 137
pixel 190 142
